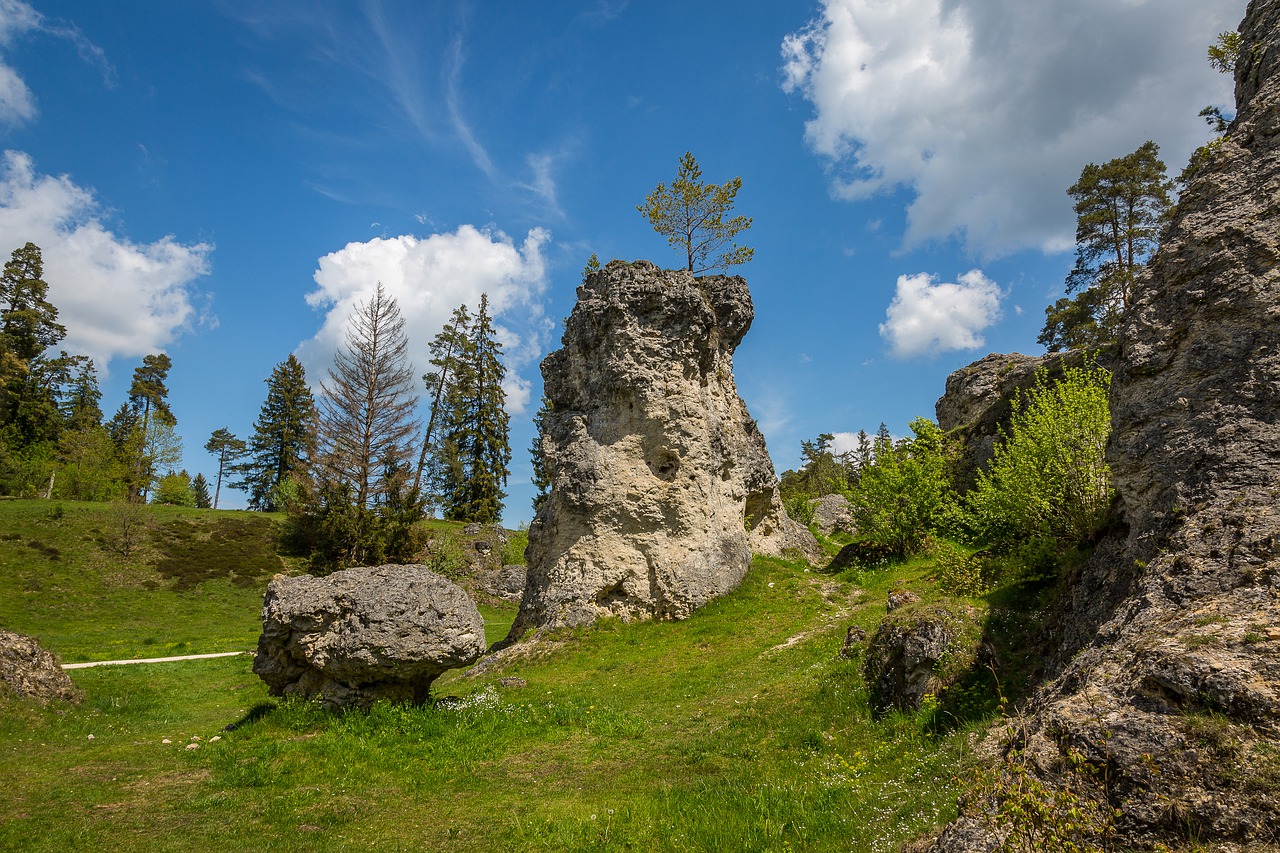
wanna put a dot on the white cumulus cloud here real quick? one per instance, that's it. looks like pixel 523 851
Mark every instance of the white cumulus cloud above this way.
pixel 430 277
pixel 116 297
pixel 927 316
pixel 988 109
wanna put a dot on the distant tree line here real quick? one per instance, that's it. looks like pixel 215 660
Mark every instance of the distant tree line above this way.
pixel 354 469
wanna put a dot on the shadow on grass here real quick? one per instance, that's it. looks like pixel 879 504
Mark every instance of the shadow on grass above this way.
pixel 256 713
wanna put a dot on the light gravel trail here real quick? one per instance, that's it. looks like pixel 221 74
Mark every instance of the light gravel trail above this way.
pixel 149 660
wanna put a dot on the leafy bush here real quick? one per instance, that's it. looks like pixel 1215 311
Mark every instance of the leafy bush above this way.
pixel 513 551
pixel 800 508
pixel 905 493
pixel 961 573
pixel 1048 477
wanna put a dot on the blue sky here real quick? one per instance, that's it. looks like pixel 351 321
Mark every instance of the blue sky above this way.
pixel 223 180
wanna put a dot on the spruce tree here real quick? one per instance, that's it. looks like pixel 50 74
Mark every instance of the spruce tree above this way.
pixel 284 437
pixel 28 327
pixel 541 465
pixel 446 351
pixel 475 449
pixel 200 490
pixel 367 403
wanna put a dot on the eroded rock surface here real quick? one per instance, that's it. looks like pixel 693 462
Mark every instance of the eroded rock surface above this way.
pixel 1169 653
pixel 360 635
pixel 661 483
pixel 29 669
pixel 918 651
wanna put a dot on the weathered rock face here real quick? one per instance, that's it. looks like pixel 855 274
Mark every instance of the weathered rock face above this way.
pixel 1170 648
pixel 28 669
pixel 360 635
pixel 658 471
pixel 833 514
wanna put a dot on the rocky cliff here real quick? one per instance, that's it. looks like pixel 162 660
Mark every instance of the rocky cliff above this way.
pixel 1169 639
pixel 661 483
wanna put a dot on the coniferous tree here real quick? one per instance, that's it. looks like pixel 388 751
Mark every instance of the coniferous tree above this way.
pixel 200 491
pixel 475 449
pixel 1120 208
pixel 226 448
pixel 691 215
pixel 541 465
pixel 81 404
pixel 147 396
pixel 367 403
pixel 28 327
pixel 446 350
pixel 284 437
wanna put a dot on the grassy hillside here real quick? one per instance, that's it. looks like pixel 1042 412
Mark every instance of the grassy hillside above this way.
pixel 740 728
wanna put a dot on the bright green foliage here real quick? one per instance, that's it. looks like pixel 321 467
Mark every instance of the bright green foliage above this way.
pixel 1224 52
pixel 283 440
pixel 593 265
pixel 147 398
pixel 175 490
pixel 200 492
pixel 906 493
pixel 1120 208
pixel 226 448
pixel 691 215
pixel 89 467
pixel 367 403
pixel 161 452
pixel 1048 477
pixel 474 451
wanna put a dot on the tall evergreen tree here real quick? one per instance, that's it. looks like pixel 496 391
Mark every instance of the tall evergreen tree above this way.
pixel 475 445
pixel 284 437
pixel 200 491
pixel 367 403
pixel 1120 207
pixel 447 349
pixel 28 327
pixel 226 448
pixel 541 465
pixel 81 403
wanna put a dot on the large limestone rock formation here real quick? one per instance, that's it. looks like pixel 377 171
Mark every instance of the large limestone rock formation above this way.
pixel 661 484
pixel 29 669
pixel 360 635
pixel 1170 636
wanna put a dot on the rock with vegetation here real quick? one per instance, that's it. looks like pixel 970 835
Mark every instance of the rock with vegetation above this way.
pixel 1167 692
pixel 832 514
pixel 29 669
pixel 364 634
pixel 977 404
pixel 917 651
pixel 661 486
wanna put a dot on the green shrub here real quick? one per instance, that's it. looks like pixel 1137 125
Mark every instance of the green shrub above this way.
pixel 905 493
pixel 513 551
pixel 961 573
pixel 1048 477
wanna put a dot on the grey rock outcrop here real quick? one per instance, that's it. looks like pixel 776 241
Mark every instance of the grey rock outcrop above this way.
pixel 360 635
pixel 833 514
pixel 1169 637
pixel 29 669
pixel 918 651
pixel 661 483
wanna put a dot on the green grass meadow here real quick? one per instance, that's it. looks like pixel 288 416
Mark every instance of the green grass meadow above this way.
pixel 740 728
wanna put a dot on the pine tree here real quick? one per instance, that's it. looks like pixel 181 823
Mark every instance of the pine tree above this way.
pixel 367 403
pixel 1120 208
pixel 284 437
pixel 475 449
pixel 147 396
pixel 691 216
pixel 226 448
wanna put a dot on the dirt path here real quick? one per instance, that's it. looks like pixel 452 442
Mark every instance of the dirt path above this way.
pixel 148 660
